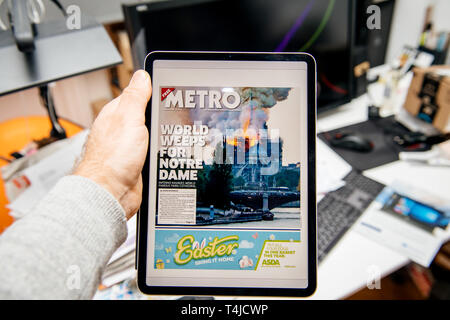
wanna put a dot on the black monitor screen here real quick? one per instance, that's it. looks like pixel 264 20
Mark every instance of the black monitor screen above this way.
pixel 320 27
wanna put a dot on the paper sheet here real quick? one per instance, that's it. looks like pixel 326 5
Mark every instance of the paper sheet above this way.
pixel 46 173
pixel 129 244
pixel 331 169
pixel 415 226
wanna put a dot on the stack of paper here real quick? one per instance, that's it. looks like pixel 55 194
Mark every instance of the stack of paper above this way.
pixel 52 163
pixel 121 266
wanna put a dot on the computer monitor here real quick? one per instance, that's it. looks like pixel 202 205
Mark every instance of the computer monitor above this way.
pixel 323 28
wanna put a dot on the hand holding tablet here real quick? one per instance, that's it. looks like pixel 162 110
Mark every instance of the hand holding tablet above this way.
pixel 224 211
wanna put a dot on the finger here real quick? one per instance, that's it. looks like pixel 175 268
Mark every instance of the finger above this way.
pixel 134 98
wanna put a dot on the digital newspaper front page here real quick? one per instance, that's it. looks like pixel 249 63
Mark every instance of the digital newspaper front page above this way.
pixel 227 202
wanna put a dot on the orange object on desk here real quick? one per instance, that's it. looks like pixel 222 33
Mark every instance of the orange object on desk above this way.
pixel 16 134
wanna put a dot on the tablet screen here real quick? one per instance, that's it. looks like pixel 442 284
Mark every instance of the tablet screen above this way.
pixel 226 204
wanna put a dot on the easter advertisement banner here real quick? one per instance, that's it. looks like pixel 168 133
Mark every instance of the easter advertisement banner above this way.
pixel 226 249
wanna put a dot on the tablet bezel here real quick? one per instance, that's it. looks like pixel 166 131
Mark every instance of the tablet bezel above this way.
pixel 142 232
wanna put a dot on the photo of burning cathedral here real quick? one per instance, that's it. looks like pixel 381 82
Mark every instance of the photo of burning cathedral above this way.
pixel 247 182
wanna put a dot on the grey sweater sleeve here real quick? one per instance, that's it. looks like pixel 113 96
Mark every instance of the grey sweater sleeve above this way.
pixel 59 250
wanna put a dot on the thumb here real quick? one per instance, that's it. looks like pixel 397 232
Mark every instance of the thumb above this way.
pixel 135 96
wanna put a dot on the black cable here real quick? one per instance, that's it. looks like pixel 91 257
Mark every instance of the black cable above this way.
pixel 60 6
pixel 57 130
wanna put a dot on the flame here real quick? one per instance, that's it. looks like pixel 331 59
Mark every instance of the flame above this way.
pixel 245 136
pixel 246 124
pixel 249 138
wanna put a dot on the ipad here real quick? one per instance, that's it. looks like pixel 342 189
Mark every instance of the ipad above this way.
pixel 229 198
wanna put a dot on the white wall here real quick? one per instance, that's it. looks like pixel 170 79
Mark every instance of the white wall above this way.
pixel 73 98
pixel 408 21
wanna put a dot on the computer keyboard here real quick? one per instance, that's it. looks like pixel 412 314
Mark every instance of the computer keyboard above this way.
pixel 339 209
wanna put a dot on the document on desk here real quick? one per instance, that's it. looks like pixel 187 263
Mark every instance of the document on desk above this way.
pixel 331 169
pixel 43 175
pixel 407 220
pixel 121 266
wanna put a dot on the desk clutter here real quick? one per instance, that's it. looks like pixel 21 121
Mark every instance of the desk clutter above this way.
pixel 409 121
pixel 376 142
pixel 29 178
pixel 429 96
pixel 419 123
pixel 369 144
pixel 378 133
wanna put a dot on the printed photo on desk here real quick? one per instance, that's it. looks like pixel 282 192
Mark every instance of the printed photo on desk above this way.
pixel 228 178
pixel 408 220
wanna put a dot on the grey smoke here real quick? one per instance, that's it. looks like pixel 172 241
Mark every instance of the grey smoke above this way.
pixel 253 100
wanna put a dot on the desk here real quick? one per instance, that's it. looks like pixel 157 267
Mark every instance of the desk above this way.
pixel 346 269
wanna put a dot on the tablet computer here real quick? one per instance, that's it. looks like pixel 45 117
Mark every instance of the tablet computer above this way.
pixel 229 198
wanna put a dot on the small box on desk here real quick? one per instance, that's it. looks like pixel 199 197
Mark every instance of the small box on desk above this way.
pixel 429 96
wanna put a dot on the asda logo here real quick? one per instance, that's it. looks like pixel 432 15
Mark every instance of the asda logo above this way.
pixel 270 262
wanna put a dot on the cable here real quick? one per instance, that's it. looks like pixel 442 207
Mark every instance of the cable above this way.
pixel 60 6
pixel 57 130
pixel 322 25
pixel 288 37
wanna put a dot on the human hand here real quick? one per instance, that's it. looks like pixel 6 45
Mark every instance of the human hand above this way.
pixel 116 148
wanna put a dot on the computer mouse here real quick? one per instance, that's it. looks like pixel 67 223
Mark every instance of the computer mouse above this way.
pixel 351 142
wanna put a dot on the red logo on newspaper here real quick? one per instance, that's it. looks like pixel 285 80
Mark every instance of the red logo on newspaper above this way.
pixel 165 92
